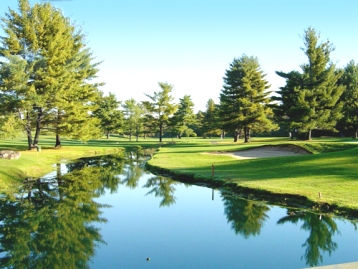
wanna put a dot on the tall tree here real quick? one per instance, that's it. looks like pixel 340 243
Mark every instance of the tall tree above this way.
pixel 184 117
pixel 107 111
pixel 47 70
pixel 161 107
pixel 244 104
pixel 310 99
pixel 349 99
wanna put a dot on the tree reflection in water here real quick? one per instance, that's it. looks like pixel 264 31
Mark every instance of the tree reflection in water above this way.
pixel 162 187
pixel 133 170
pixel 321 229
pixel 49 227
pixel 49 224
pixel 246 217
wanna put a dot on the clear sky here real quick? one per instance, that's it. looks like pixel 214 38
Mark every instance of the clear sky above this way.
pixel 190 43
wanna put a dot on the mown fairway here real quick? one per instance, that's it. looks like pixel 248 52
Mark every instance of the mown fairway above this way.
pixel 332 170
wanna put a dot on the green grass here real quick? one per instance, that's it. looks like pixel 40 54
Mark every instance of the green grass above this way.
pixel 332 170
pixel 36 164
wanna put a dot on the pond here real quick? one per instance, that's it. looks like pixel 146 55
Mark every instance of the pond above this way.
pixel 109 212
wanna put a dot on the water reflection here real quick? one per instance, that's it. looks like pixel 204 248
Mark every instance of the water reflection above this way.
pixel 162 187
pixel 246 217
pixel 51 224
pixel 321 229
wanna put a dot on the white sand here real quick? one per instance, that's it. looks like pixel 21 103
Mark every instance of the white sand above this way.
pixel 265 152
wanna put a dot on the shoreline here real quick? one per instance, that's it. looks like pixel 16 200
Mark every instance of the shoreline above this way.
pixel 288 200
pixel 266 151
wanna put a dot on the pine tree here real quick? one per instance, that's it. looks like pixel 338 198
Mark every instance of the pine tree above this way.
pixel 161 107
pixel 349 99
pixel 184 117
pixel 133 115
pixel 243 99
pixel 107 111
pixel 43 48
pixel 210 120
pixel 310 99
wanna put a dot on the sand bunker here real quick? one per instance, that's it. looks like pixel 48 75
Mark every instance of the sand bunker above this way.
pixel 267 152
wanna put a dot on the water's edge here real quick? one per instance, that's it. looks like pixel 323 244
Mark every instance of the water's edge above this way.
pixel 287 200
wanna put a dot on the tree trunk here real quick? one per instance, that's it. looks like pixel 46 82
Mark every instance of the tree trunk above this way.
pixel 38 127
pixel 236 134
pixel 355 136
pixel 246 134
pixel 309 135
pixel 179 135
pixel 160 132
pixel 58 141
pixel 28 131
pixel 107 135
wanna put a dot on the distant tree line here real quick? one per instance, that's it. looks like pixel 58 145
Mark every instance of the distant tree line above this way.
pixel 47 84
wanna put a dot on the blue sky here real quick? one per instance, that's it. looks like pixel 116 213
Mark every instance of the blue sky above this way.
pixel 190 44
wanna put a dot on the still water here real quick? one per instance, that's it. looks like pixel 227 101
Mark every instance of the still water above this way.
pixel 108 212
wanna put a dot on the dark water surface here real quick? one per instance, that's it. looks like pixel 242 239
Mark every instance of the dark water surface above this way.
pixel 108 212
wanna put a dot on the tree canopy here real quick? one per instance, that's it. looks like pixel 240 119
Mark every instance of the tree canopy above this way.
pixel 310 99
pixel 46 72
pixel 349 98
pixel 161 107
pixel 244 98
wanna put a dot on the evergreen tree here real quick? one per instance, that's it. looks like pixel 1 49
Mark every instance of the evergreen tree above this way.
pixel 243 99
pixel 184 117
pixel 349 99
pixel 310 99
pixel 198 126
pixel 133 115
pixel 210 120
pixel 107 111
pixel 47 71
pixel 161 107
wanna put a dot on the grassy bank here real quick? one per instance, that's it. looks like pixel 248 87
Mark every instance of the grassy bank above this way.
pixel 332 170
pixel 36 164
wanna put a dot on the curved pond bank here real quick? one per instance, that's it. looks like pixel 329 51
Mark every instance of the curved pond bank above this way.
pixel 109 212
pixel 292 200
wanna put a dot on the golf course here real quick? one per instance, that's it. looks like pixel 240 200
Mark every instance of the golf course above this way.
pixel 321 174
